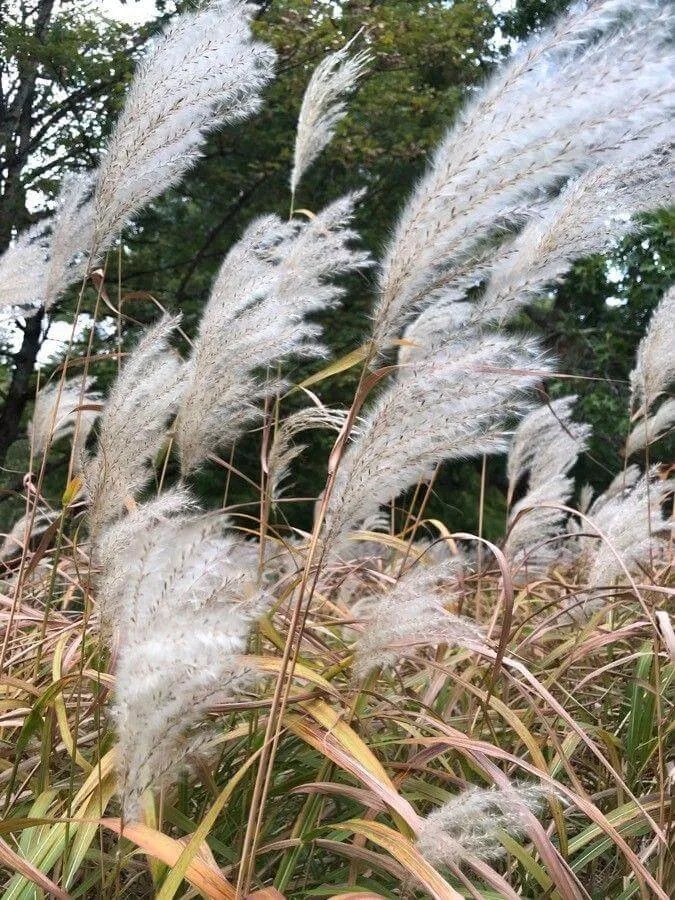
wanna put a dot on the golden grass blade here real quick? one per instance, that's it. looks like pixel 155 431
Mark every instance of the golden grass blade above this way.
pixel 182 863
pixel 348 361
pixel 16 863
pixel 272 665
pixel 60 708
pixel 404 852
pixel 199 873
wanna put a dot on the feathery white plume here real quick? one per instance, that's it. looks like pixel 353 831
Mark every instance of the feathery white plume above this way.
pixel 452 404
pixel 56 413
pixel 547 442
pixel 654 371
pixel 651 429
pixel 15 540
pixel 622 483
pixel 276 276
pixel 133 424
pixel 632 523
pixel 533 523
pixel 655 361
pixel 573 98
pixel 203 71
pixel 590 213
pixel 71 236
pixel 283 451
pixel 323 106
pixel 422 334
pixel 545 447
pixel 411 614
pixel 181 603
pixel 22 273
pixel 472 822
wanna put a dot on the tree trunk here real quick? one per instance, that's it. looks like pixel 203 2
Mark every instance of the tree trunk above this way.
pixel 16 122
pixel 20 390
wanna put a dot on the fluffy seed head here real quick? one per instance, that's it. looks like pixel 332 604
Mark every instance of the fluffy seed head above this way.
pixel 323 106
pixel 470 823
pixel 71 238
pixel 655 361
pixel 177 593
pixel 632 525
pixel 277 275
pixel 577 95
pixel 22 273
pixel 202 72
pixel 133 425
pixel 410 614
pixel 454 403
pixel 56 414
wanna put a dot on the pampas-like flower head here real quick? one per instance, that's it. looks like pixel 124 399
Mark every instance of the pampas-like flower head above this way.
pixel 56 413
pixel 470 824
pixel 545 446
pixel 203 71
pixel 269 283
pixel 653 373
pixel 283 451
pixel 590 214
pixel 22 273
pixel 547 442
pixel 576 96
pixel 71 236
pixel 655 363
pixel 632 525
pixel 652 428
pixel 411 614
pixel 323 106
pixel 23 530
pixel 133 424
pixel 453 403
pixel 180 598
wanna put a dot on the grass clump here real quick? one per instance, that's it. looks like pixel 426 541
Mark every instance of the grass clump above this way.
pixel 216 702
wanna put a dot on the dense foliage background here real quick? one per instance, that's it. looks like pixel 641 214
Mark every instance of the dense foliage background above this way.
pixel 63 79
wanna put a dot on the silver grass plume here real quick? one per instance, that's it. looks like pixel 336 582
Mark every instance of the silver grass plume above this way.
pixel 590 214
pixel 470 825
pixel 454 403
pixel 411 614
pixel 56 414
pixel 202 72
pixel 652 428
pixel 16 539
pixel 448 316
pixel 576 96
pixel 545 447
pixel 22 273
pixel 586 495
pixel 271 280
pixel 71 236
pixel 323 106
pixel 181 604
pixel 545 443
pixel 653 373
pixel 533 523
pixel 655 362
pixel 622 483
pixel 133 424
pixel 633 524
pixel 283 451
